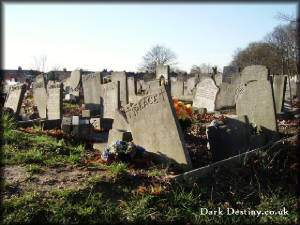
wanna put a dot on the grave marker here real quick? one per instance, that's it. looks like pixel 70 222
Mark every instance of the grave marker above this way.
pixel 110 99
pixel 122 78
pixel 254 72
pixel 154 126
pixel 91 89
pixel 15 97
pixel 54 100
pixel 279 84
pixel 40 96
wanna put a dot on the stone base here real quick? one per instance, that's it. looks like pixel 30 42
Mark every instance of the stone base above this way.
pixel 121 135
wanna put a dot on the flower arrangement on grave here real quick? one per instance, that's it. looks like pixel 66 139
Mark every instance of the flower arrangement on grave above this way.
pixel 183 111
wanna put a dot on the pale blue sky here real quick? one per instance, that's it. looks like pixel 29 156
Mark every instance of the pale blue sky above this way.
pixel 99 36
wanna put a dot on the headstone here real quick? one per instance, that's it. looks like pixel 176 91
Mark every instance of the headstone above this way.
pixel 132 88
pixel 256 102
pixel 122 78
pixel 87 113
pixel 226 96
pixel 118 135
pixel 66 124
pixel 120 121
pixel 91 90
pixel 254 72
pixel 218 79
pixel 15 97
pixel 74 79
pixel 54 100
pixel 279 84
pixel 177 88
pixel 162 71
pixel 40 96
pixel 152 86
pixel 205 95
pixel 227 73
pixel 154 126
pixel 110 99
pixel 81 127
pixel 228 138
pixel 95 122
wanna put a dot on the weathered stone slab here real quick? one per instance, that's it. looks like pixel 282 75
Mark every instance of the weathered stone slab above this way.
pixel 54 100
pixel 103 123
pixel 91 89
pixel 218 79
pixel 66 124
pixel 154 126
pixel 228 71
pixel 74 79
pixel 87 113
pixel 40 96
pixel 190 86
pixel 162 71
pixel 228 138
pixel 132 88
pixel 15 97
pixel 120 121
pixel 110 99
pixel 226 96
pixel 254 72
pixel 205 95
pixel 118 135
pixel 279 84
pixel 177 88
pixel 122 78
pixel 256 102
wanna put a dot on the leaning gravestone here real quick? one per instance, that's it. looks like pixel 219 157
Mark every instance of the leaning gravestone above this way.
pixel 256 102
pixel 254 72
pixel 279 84
pixel 226 96
pixel 54 100
pixel 154 126
pixel 122 77
pixel 74 79
pixel 190 86
pixel 228 71
pixel 15 97
pixel 110 99
pixel 162 71
pixel 40 96
pixel 205 95
pixel 91 89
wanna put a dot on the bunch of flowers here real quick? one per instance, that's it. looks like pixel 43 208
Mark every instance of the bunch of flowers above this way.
pixel 183 111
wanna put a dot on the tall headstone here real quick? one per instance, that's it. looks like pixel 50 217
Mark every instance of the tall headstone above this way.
pixel 132 88
pixel 162 71
pixel 122 77
pixel 154 126
pixel 110 99
pixel 15 97
pixel 257 103
pixel 54 100
pixel 254 72
pixel 91 89
pixel 177 88
pixel 205 95
pixel 226 96
pixel 40 95
pixel 228 71
pixel 279 84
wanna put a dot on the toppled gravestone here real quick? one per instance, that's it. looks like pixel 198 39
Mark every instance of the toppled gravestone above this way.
pixel 228 138
pixel 155 127
pixel 15 97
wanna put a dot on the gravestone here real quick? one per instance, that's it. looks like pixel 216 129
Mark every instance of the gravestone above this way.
pixel 66 124
pixel 154 126
pixel 132 88
pixel 279 84
pixel 40 95
pixel 226 96
pixel 54 100
pixel 15 97
pixel 257 103
pixel 205 95
pixel 91 90
pixel 110 99
pixel 177 88
pixel 122 78
pixel 152 86
pixel 162 71
pixel 190 86
pixel 218 79
pixel 118 135
pixel 228 71
pixel 254 72
pixel 120 121
pixel 74 79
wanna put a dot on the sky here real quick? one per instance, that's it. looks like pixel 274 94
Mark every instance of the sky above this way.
pixel 97 36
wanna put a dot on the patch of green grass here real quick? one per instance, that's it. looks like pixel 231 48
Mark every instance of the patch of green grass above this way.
pixel 94 179
pixel 117 168
pixel 30 156
pixel 155 173
pixel 34 168
pixel 70 105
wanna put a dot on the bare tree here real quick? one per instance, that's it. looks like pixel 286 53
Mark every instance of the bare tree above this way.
pixel 40 63
pixel 158 54
pixel 195 69
pixel 206 68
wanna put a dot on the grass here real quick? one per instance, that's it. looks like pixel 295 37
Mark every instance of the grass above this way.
pixel 70 105
pixel 118 168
